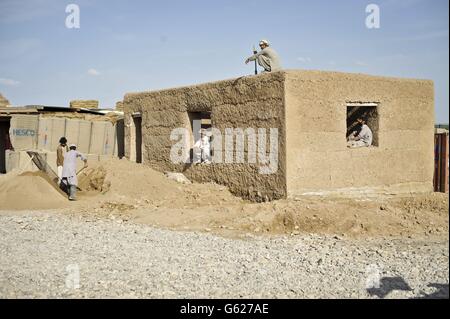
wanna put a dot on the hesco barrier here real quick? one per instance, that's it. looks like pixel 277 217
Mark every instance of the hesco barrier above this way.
pixel 31 132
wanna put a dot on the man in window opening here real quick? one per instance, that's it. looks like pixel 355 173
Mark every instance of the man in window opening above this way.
pixel 363 138
pixel 202 148
pixel 267 58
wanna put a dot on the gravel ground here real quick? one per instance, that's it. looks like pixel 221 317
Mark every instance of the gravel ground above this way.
pixel 41 254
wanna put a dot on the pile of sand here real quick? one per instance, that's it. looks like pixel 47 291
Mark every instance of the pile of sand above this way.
pixel 133 182
pixel 30 190
pixel 134 192
pixel 93 179
pixel 139 193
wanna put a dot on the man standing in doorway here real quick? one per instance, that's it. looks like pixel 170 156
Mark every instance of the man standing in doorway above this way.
pixel 202 148
pixel 69 175
pixel 267 58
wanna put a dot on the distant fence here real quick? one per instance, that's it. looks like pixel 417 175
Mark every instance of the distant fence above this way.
pixel 441 162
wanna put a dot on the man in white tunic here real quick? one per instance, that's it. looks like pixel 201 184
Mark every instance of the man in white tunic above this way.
pixel 267 58
pixel 69 174
pixel 202 148
pixel 206 147
pixel 363 139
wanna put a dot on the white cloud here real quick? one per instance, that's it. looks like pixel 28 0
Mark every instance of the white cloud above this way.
pixel 361 63
pixel 93 72
pixel 304 59
pixel 9 82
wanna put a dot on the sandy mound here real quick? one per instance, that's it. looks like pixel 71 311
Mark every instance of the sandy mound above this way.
pixel 126 191
pixel 136 184
pixel 139 193
pixel 29 191
pixel 93 179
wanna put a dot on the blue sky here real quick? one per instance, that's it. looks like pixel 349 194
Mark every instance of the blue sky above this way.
pixel 129 46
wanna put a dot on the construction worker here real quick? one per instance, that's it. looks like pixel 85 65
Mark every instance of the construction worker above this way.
pixel 362 139
pixel 267 58
pixel 60 151
pixel 69 174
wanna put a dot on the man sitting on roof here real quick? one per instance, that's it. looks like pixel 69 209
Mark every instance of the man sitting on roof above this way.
pixel 267 57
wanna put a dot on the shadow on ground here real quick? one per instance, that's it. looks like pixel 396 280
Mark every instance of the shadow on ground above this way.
pixel 387 285
pixel 440 293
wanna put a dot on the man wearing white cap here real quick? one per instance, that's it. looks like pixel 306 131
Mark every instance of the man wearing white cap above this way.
pixel 69 174
pixel 267 58
pixel 202 148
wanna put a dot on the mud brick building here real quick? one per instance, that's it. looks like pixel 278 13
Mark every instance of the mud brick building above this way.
pixel 313 112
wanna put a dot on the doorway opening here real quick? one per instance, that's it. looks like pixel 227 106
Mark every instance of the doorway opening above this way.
pixel 5 142
pixel 137 121
pixel 120 134
pixel 199 121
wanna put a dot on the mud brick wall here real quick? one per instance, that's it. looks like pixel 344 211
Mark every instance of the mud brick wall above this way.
pixel 247 102
pixel 87 104
pixel 317 157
